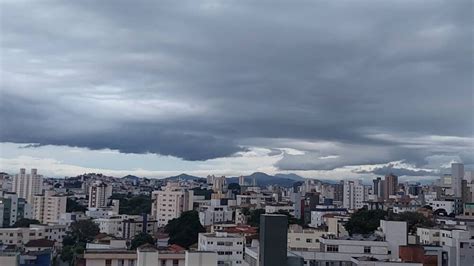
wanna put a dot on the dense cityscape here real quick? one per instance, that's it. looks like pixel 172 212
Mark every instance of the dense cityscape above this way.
pixel 236 133
pixel 93 219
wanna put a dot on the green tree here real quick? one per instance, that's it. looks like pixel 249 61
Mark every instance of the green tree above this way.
pixel 184 230
pixel 140 239
pixel 74 242
pixel 254 217
pixel 133 205
pixel 73 206
pixel 84 230
pixel 235 188
pixel 25 222
pixel 364 221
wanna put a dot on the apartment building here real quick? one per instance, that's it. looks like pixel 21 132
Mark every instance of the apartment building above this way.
pixel 353 194
pixel 229 247
pixel 48 208
pixel 99 194
pixel 27 185
pixel 126 226
pixel 13 209
pixel 210 215
pixel 21 236
pixel 304 239
pixel 170 203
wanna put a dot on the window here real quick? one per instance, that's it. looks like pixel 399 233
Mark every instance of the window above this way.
pixel 121 262
pixel 175 262
pixel 108 262
pixel 163 263
pixel 332 248
pixel 367 250
pixel 309 240
pixel 131 262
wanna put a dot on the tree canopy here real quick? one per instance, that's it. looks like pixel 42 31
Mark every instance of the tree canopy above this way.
pixel 140 239
pixel 184 230
pixel 235 188
pixel 73 206
pixel 133 205
pixel 364 221
pixel 254 217
pixel 74 242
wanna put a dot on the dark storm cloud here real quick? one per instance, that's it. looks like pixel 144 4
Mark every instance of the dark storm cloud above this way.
pixel 398 171
pixel 198 79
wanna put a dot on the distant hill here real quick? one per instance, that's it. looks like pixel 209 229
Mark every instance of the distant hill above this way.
pixel 132 177
pixel 183 176
pixel 264 179
pixel 290 176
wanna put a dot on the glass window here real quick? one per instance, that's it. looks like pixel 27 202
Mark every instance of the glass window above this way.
pixel 366 249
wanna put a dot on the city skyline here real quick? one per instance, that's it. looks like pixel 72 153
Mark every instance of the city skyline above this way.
pixel 328 90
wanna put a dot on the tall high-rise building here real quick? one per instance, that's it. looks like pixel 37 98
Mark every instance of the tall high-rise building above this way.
pixel 27 185
pixel 339 191
pixel 378 188
pixel 99 194
pixel 273 239
pixel 354 194
pixel 48 207
pixel 457 173
pixel 169 203
pixel 390 186
pixel 241 180
pixel 219 184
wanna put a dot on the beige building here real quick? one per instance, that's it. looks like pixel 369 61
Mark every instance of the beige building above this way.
pixel 304 239
pixel 20 236
pixel 170 203
pixel 99 194
pixel 47 208
pixel 27 185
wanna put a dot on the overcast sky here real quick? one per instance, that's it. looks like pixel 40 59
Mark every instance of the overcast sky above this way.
pixel 327 89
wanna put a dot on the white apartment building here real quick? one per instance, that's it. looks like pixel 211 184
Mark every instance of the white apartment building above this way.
pixel 254 199
pixel 47 208
pixel 99 194
pixel 383 245
pixel 353 194
pixel 210 215
pixel 448 206
pixel 69 217
pixel 229 247
pixel 321 210
pixel 21 236
pixel 126 226
pixel 428 236
pixel 274 208
pixel 170 203
pixel 457 247
pixel 27 185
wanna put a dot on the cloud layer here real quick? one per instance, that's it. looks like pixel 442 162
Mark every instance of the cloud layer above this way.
pixel 344 83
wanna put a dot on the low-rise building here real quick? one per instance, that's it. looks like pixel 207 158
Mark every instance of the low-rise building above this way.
pixel 209 215
pixel 304 239
pixel 21 236
pixel 229 247
pixel 321 210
